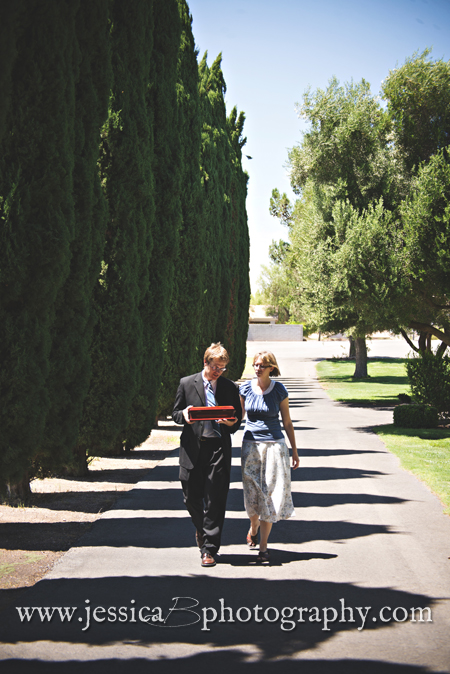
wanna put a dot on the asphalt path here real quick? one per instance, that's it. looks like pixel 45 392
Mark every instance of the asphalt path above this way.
pixel 368 547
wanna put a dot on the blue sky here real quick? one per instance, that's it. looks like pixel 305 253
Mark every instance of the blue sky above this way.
pixel 272 51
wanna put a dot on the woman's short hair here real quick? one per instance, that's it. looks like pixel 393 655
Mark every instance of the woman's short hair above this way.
pixel 216 350
pixel 268 359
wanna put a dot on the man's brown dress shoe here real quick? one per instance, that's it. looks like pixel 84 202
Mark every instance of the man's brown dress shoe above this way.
pixel 208 560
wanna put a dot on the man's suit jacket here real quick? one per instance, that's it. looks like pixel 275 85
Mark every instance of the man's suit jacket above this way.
pixel 191 391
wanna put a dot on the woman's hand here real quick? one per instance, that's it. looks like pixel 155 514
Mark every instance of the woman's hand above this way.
pixel 289 428
pixel 227 422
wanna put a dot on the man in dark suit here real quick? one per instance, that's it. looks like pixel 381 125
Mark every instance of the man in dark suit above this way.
pixel 205 449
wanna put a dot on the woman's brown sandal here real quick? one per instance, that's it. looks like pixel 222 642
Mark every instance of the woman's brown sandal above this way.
pixel 252 541
pixel 263 556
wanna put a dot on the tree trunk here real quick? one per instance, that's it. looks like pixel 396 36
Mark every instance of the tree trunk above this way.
pixel 442 346
pixel 80 462
pixel 429 342
pixel 361 358
pixel 422 341
pixel 432 330
pixel 351 347
pixel 408 341
pixel 19 490
pixel 79 466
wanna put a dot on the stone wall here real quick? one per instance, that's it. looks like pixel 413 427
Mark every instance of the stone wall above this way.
pixel 260 332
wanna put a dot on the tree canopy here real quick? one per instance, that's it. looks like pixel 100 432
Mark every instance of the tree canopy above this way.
pixel 368 237
pixel 418 104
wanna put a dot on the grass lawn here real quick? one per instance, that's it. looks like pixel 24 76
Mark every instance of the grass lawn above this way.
pixel 387 378
pixel 425 452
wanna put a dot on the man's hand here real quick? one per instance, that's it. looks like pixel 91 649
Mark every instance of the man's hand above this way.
pixel 186 415
pixel 227 422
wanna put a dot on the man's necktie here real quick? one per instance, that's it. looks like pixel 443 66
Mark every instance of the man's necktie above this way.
pixel 211 402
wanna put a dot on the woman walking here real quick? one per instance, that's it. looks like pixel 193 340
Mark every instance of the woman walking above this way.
pixel 265 457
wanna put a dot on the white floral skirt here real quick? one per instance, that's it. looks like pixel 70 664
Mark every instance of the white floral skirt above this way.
pixel 266 478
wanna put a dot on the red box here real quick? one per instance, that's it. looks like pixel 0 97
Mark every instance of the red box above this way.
pixel 211 413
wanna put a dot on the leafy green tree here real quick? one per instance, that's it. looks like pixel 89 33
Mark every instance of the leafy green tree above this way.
pixel 163 112
pixel 425 220
pixel 274 286
pixel 429 378
pixel 362 272
pixel 418 100
pixel 280 207
pixel 340 282
pixel 346 152
pixel 278 251
pixel 368 239
pixel 344 166
pixel 237 246
pixel 123 281
pixel 9 13
pixel 278 282
pixel 224 188
pixel 211 286
pixel 258 298
pixel 90 244
pixel 37 221
pixel 354 155
pixel 215 171
pixel 70 358
pixel 181 353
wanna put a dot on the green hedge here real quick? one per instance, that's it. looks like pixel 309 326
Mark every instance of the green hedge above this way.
pixel 156 303
pixel 37 221
pixel 123 226
pixel 415 416
pixel 75 316
pixel 181 356
pixel 429 378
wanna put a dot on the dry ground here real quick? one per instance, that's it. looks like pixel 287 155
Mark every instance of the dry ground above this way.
pixel 34 536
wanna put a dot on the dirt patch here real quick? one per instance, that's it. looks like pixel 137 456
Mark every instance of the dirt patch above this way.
pixel 60 510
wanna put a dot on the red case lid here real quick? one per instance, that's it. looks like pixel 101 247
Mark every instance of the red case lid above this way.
pixel 212 413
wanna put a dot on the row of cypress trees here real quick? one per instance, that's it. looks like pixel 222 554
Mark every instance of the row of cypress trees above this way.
pixel 122 221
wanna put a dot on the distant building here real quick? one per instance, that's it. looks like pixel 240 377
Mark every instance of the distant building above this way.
pixel 264 328
pixel 257 314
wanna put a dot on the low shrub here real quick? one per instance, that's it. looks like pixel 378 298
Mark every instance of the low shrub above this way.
pixel 415 416
pixel 429 378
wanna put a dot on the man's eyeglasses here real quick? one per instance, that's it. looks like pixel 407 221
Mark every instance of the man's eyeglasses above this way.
pixel 261 367
pixel 216 368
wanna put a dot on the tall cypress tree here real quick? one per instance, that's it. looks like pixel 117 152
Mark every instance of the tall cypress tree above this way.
pixel 9 13
pixel 215 177
pixel 118 350
pixel 237 322
pixel 36 222
pixel 182 334
pixel 155 304
pixel 224 192
pixel 70 362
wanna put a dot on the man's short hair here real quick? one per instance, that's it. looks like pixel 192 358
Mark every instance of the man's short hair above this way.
pixel 216 350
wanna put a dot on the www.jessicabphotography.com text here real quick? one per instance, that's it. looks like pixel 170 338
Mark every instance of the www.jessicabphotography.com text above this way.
pixel 184 611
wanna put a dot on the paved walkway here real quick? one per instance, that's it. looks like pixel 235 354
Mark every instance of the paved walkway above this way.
pixel 369 543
